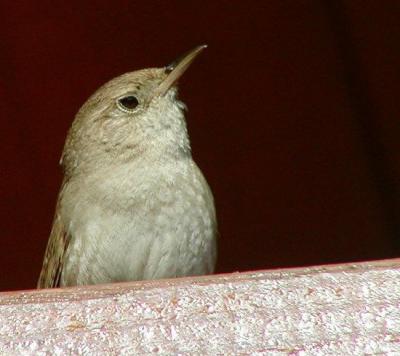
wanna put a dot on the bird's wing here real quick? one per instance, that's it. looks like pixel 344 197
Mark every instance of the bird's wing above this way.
pixel 53 262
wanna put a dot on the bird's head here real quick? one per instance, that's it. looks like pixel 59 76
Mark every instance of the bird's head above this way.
pixel 134 114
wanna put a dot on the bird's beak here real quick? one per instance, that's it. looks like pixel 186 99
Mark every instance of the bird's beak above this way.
pixel 175 70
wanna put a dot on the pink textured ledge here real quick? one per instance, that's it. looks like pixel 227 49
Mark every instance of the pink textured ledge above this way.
pixel 351 309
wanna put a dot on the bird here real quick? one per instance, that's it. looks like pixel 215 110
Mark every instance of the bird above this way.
pixel 133 205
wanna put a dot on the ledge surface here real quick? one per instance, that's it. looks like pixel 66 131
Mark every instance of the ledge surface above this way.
pixel 350 309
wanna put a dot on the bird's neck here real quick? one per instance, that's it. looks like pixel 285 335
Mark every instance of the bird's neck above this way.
pixel 167 135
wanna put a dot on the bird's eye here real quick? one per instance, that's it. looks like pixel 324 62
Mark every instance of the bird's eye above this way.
pixel 128 103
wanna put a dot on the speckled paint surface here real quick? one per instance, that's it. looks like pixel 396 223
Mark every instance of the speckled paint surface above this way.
pixel 351 309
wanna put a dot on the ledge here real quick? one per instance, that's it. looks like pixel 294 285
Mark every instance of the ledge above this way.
pixel 349 309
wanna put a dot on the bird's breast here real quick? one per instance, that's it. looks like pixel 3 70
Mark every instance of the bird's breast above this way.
pixel 142 223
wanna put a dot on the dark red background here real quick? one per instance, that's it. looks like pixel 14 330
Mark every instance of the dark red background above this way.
pixel 293 115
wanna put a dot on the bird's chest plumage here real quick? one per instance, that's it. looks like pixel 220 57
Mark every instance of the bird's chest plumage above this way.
pixel 135 223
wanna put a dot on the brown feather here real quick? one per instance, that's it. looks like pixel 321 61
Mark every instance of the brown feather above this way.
pixel 57 245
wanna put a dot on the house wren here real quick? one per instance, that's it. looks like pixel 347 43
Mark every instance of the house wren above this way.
pixel 133 205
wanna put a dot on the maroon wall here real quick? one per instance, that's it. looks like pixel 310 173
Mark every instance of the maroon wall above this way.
pixel 293 115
